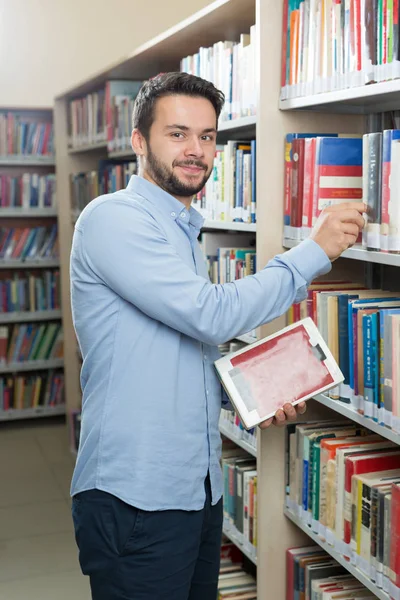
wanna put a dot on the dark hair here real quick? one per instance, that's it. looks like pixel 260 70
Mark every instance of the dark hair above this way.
pixel 171 84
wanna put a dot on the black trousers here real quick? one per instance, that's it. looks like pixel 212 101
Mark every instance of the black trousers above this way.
pixel 132 554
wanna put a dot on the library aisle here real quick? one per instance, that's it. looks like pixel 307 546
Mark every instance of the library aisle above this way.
pixel 38 555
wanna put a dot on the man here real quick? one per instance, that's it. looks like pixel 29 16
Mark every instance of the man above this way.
pixel 147 484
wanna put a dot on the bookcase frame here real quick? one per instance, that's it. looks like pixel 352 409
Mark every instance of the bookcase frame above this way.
pixel 21 216
pixel 337 111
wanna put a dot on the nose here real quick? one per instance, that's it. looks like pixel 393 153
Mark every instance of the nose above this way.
pixel 194 147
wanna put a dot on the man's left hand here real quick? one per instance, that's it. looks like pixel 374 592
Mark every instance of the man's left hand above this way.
pixel 286 415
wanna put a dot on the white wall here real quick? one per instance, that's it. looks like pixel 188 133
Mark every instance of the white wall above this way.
pixel 47 46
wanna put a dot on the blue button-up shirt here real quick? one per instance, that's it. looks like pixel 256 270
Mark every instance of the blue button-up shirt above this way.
pixel 148 322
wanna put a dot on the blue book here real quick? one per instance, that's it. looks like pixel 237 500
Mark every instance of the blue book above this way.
pixel 344 364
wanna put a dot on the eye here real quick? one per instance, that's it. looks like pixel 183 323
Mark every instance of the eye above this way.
pixel 207 138
pixel 177 134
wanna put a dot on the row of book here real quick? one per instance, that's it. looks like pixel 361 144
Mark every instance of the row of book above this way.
pixel 23 136
pixel 30 243
pixel 104 116
pixel 230 192
pixel 231 67
pixel 230 422
pixel 361 328
pixel 342 481
pixel 320 170
pixel 240 494
pixel 20 392
pixel 234 583
pixel 29 190
pixel 30 292
pixel 381 190
pixel 338 44
pixel 231 264
pixel 109 177
pixel 312 574
pixel 30 342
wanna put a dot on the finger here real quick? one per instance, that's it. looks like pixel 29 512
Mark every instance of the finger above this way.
pixel 290 412
pixel 280 417
pixel 266 423
pixel 279 423
pixel 301 408
pixel 350 240
pixel 351 229
pixel 360 207
pixel 352 216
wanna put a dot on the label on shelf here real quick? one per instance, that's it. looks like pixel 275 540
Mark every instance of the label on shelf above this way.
pixel 379 579
pixel 386 583
pixel 322 530
pixel 368 409
pixel 364 566
pixel 315 525
pixel 330 537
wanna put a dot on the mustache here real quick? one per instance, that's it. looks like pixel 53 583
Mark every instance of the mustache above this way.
pixel 191 163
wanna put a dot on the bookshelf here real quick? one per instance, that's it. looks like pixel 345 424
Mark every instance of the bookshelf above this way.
pixel 341 111
pixel 28 201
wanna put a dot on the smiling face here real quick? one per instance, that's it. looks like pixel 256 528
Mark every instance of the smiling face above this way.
pixel 178 155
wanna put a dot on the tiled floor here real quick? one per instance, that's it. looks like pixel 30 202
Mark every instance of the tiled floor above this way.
pixel 38 555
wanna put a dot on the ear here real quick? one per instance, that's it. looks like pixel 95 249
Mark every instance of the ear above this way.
pixel 138 143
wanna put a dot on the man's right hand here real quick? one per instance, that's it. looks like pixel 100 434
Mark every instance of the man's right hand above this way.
pixel 338 227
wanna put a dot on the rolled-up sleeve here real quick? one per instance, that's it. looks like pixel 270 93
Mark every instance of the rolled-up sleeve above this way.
pixel 134 257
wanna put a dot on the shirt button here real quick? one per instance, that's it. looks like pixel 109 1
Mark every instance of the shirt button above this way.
pixel 183 215
pixel 173 214
pixel 205 357
pixel 207 392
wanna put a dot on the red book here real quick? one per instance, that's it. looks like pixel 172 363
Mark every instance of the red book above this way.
pixel 365 463
pixel 21 243
pixel 395 536
pixel 297 185
pixel 309 169
pixel 284 41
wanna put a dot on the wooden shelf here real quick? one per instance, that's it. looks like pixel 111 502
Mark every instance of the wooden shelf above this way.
pixel 238 124
pixel 350 413
pixel 26 161
pixel 127 153
pixel 337 556
pixel 32 413
pixel 88 148
pixel 48 263
pixel 20 317
pixel 373 98
pixel 239 441
pixel 221 20
pixel 232 533
pixel 32 365
pixel 230 226
pixel 19 212
pixel 358 253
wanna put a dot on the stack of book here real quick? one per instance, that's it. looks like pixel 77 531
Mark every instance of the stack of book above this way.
pixel 332 45
pixel 341 481
pixel 234 583
pixel 88 120
pixel 104 116
pixel 24 136
pixel 110 177
pixel 240 496
pixel 361 328
pixel 21 392
pixel 320 170
pixel 30 342
pixel 230 193
pixel 120 98
pixel 381 190
pixel 231 67
pixel 314 575
pixel 29 190
pixel 17 243
pixel 30 292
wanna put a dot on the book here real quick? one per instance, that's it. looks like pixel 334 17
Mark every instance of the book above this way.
pixel 248 375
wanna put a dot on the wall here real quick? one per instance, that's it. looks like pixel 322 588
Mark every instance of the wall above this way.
pixel 47 46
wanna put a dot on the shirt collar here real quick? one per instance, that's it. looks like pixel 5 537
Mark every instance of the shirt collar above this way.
pixel 167 204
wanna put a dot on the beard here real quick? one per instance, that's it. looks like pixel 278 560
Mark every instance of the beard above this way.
pixel 169 182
